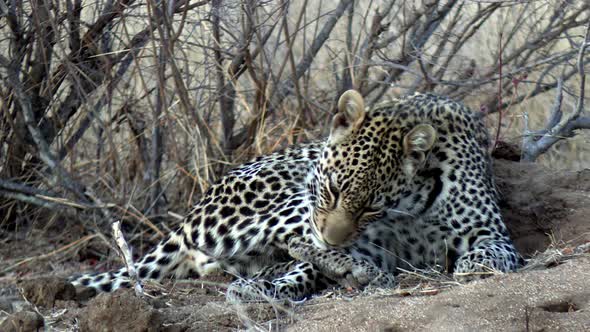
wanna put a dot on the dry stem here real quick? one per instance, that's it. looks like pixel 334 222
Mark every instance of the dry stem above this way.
pixel 125 253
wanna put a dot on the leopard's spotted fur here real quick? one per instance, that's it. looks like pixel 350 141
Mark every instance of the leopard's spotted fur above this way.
pixel 407 184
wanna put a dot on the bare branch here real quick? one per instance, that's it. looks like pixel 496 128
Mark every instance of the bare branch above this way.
pixel 536 143
pixel 316 45
pixel 225 92
pixel 286 88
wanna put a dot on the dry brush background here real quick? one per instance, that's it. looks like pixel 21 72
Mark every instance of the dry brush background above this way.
pixel 124 109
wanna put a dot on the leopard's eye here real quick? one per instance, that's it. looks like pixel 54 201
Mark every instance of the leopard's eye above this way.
pixel 345 185
pixel 369 214
pixel 373 206
pixel 333 191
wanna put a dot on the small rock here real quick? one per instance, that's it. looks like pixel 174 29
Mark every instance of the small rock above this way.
pixel 119 311
pixel 22 321
pixel 45 291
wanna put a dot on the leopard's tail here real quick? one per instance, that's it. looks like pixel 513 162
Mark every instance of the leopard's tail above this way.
pixel 168 258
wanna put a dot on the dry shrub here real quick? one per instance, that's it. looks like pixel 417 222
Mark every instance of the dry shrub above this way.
pixel 124 109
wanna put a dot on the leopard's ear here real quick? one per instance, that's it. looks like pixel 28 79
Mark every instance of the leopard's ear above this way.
pixel 350 116
pixel 417 143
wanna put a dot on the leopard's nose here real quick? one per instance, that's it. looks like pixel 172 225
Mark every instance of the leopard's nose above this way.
pixel 338 228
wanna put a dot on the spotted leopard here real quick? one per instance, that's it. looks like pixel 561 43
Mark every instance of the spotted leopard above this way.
pixel 407 184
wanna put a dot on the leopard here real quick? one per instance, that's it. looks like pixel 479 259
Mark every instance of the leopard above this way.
pixel 405 184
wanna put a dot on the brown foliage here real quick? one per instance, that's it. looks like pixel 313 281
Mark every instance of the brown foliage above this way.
pixel 124 109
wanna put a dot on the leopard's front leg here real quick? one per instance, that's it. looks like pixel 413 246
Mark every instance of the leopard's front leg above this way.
pixel 486 258
pixel 340 266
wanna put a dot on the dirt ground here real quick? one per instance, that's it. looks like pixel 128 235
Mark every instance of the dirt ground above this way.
pixel 547 300
pixel 546 211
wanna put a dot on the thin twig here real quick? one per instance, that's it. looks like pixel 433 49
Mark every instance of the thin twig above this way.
pixel 125 253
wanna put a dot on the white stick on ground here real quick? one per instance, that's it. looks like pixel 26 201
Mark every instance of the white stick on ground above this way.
pixel 127 258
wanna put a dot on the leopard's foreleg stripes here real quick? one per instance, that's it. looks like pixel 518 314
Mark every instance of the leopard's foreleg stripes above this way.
pixel 487 257
pixel 284 281
pixel 340 266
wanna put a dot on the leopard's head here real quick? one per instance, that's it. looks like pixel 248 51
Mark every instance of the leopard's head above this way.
pixel 366 155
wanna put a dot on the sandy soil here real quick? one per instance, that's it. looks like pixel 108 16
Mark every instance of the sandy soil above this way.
pixel 548 300
pixel 542 209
